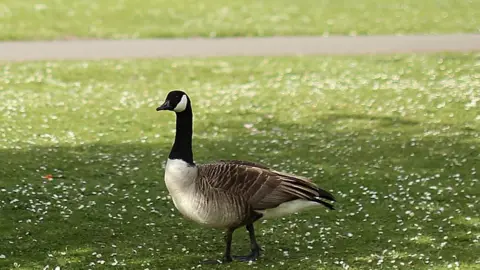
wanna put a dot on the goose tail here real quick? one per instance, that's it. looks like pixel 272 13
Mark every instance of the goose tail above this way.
pixel 304 189
pixel 323 198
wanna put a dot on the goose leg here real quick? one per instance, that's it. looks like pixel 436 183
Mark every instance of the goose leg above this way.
pixel 253 245
pixel 227 257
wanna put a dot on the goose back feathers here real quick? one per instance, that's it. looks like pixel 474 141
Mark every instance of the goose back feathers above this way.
pixel 260 186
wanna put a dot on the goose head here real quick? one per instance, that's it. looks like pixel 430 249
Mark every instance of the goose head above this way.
pixel 176 101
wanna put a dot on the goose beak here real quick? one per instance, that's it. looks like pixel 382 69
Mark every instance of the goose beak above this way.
pixel 165 106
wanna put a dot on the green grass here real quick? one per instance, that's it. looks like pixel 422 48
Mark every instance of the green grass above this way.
pixel 62 19
pixel 396 138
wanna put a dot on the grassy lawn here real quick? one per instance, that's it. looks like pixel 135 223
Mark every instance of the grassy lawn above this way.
pixel 395 137
pixel 62 19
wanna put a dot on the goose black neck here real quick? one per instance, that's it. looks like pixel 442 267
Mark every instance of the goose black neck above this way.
pixel 182 147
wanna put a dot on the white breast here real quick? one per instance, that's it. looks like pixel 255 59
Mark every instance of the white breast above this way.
pixel 180 181
pixel 179 174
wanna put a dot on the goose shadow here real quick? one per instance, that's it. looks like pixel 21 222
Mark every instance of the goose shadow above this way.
pixel 110 199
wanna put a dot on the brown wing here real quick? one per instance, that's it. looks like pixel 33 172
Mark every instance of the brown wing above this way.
pixel 261 187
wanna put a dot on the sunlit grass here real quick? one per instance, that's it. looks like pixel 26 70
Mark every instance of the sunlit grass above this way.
pixel 396 138
pixel 62 19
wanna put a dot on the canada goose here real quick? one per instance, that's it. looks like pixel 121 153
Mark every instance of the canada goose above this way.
pixel 229 194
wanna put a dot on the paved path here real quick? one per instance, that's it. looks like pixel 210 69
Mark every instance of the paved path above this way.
pixel 270 46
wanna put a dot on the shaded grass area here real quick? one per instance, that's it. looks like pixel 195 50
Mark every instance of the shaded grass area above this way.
pixel 61 19
pixel 396 138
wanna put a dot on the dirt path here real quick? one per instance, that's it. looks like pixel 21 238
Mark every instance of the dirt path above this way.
pixel 270 46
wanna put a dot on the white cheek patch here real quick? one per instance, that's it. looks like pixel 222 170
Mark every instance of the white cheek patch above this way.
pixel 182 105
